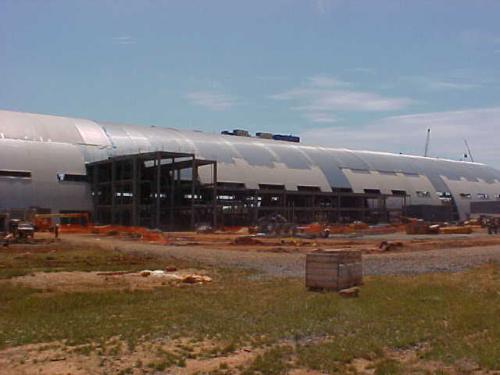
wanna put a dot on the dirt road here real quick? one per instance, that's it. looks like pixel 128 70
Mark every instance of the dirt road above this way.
pixel 292 264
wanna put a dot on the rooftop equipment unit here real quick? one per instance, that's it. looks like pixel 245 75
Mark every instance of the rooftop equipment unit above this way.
pixel 264 135
pixel 287 138
pixel 241 133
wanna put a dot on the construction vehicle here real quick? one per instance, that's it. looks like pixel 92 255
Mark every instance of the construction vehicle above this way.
pixel 274 225
pixel 491 223
pixel 19 231
pixel 313 230
pixel 45 222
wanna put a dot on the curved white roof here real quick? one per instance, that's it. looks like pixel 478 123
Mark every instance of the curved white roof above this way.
pixel 254 161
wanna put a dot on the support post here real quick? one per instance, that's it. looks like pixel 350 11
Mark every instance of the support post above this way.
pixel 313 198
pixel 285 208
pixel 194 179
pixel 158 187
pixel 386 213
pixel 95 191
pixel 172 196
pixel 214 199
pixel 113 192
pixel 135 191
pixel 338 207
pixel 364 208
pixel 256 208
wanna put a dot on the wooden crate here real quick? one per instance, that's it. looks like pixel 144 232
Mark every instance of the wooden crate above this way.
pixel 333 270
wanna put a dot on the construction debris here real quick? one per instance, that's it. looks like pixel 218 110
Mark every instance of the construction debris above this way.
pixel 274 225
pixel 312 231
pixel 421 227
pixel 204 228
pixel 350 292
pixel 456 230
pixel 184 278
pixel 390 246
pixel 78 281
pixel 196 279
pixel 246 240
pixel 492 224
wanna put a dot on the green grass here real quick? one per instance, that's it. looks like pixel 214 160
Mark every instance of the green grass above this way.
pixel 388 367
pixel 272 362
pixel 455 315
pixel 19 260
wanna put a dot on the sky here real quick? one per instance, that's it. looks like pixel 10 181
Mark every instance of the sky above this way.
pixel 343 73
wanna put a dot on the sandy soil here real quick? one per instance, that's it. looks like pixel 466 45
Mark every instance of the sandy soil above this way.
pixel 365 243
pixel 97 281
pixel 114 357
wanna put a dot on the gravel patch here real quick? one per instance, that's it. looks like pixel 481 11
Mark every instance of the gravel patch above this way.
pixel 292 264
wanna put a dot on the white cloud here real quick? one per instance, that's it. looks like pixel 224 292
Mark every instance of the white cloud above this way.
pixel 326 95
pixel 327 81
pixel 446 85
pixel 361 69
pixel 435 84
pixel 345 100
pixel 407 134
pixel 124 40
pixel 213 100
pixel 320 117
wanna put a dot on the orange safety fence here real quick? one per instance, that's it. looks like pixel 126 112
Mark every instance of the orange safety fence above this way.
pixel 364 228
pixel 137 232
pixel 74 228
pixel 140 233
pixel 233 229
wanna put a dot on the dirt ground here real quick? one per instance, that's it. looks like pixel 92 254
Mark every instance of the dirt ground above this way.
pixel 418 254
pixel 113 357
pixel 60 359
pixel 77 281
pixel 363 242
pixel 270 256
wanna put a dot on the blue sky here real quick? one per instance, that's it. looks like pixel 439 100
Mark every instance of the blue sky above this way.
pixel 346 73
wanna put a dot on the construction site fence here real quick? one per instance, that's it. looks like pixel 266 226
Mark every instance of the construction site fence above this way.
pixel 141 233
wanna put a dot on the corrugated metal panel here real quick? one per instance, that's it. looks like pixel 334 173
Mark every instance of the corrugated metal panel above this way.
pixel 27 126
pixel 291 156
pixel 243 160
pixel 92 133
pixel 457 188
pixel 256 155
pixel 44 160
pixel 349 159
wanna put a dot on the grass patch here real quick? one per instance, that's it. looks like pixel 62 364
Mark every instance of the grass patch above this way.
pixel 388 367
pixel 273 362
pixel 20 260
pixel 456 315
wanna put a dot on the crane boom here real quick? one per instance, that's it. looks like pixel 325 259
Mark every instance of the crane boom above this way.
pixel 428 140
pixel 468 150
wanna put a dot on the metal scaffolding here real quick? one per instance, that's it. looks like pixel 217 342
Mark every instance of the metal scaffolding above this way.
pixel 155 189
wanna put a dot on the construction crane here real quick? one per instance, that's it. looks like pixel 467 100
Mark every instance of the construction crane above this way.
pixel 468 150
pixel 427 141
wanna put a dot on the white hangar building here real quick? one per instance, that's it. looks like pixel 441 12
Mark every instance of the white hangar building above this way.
pixel 162 177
